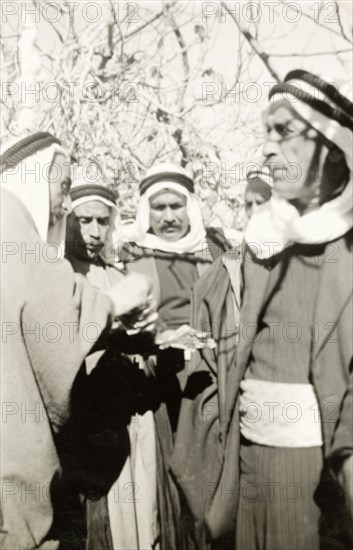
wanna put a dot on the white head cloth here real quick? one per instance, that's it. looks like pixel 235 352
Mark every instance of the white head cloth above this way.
pixel 192 242
pixel 29 182
pixel 277 223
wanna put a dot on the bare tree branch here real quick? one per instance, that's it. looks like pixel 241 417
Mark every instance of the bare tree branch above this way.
pixel 256 46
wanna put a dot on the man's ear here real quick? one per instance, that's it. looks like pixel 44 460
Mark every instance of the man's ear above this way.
pixel 335 175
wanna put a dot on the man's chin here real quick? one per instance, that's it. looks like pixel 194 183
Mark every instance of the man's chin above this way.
pixel 92 256
pixel 171 236
pixel 283 189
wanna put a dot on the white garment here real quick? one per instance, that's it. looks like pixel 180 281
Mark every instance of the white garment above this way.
pixel 277 224
pixel 132 500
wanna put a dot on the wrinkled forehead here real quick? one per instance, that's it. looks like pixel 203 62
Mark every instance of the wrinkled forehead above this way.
pixel 93 208
pixel 281 112
pixel 166 196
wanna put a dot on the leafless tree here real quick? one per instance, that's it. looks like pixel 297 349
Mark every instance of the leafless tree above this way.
pixel 137 87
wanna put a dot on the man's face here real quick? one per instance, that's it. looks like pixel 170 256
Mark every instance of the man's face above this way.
pixel 168 215
pixel 295 154
pixel 252 201
pixel 59 187
pixel 87 229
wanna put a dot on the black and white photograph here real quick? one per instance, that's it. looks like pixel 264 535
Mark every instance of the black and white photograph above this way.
pixel 176 275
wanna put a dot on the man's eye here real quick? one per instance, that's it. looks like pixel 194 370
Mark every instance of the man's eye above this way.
pixel 104 221
pixel 84 220
pixel 283 130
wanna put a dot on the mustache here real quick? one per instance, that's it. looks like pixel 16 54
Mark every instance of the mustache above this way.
pixel 274 163
pixel 170 224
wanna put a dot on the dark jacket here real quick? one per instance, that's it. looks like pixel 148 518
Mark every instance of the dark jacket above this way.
pixel 174 522
pixel 209 418
pixel 199 459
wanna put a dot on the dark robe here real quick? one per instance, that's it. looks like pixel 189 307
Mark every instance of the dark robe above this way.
pixel 174 276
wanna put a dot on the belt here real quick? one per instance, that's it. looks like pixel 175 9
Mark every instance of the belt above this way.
pixel 279 415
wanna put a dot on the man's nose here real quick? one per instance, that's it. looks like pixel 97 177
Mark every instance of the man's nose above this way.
pixel 271 145
pixel 94 229
pixel 169 215
pixel 270 148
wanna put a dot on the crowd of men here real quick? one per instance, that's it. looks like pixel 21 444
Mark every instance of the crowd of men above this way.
pixel 111 441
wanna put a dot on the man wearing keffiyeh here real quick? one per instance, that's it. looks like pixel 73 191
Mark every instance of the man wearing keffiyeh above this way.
pixel 174 247
pixel 257 191
pixel 90 227
pixel 45 311
pixel 89 248
pixel 300 252
pixel 286 416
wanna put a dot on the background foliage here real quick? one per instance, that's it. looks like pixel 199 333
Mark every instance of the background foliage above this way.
pixel 148 82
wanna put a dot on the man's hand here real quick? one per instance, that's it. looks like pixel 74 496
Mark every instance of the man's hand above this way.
pixel 141 319
pixel 133 303
pixel 185 338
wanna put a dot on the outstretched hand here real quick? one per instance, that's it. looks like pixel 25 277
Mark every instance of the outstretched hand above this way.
pixel 133 302
pixel 185 338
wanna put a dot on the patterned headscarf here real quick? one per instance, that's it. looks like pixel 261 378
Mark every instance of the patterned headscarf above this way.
pixel 277 223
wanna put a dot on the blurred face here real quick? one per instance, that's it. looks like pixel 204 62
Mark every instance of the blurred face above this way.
pixel 59 187
pixel 168 215
pixel 252 201
pixel 87 229
pixel 295 154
